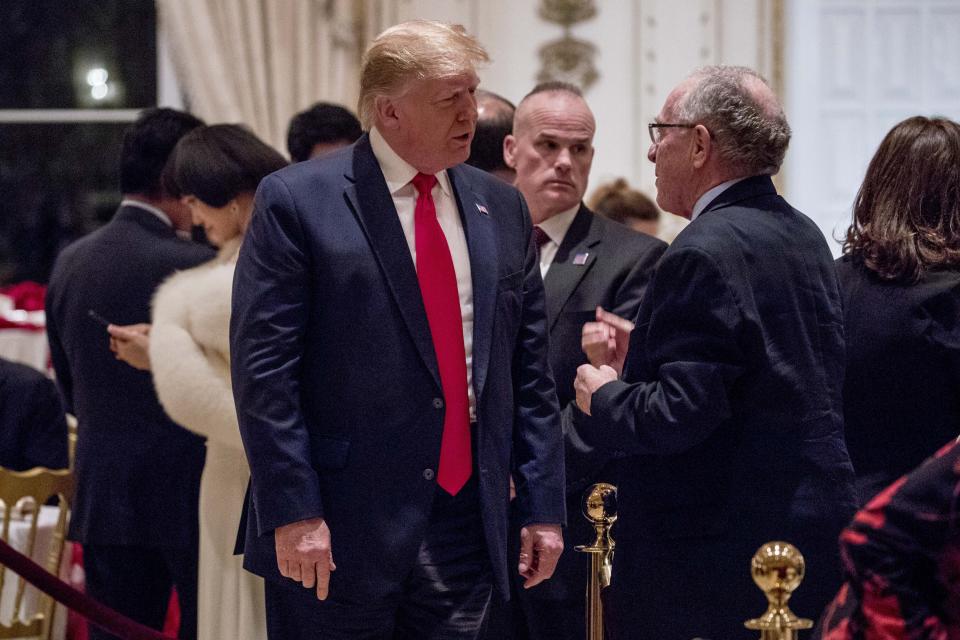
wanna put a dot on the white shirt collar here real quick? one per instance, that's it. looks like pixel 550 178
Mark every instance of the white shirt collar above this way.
pixel 556 226
pixel 130 202
pixel 396 171
pixel 710 195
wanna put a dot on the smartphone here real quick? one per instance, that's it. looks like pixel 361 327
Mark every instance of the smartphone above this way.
pixel 99 319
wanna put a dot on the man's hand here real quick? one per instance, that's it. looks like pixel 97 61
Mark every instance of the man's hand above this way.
pixel 605 341
pixel 131 343
pixel 540 548
pixel 589 379
pixel 304 554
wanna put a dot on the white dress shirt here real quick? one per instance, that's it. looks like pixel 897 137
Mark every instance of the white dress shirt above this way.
pixel 398 174
pixel 556 229
pixel 710 195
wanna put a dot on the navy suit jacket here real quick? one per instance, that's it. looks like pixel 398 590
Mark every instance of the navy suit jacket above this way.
pixel 33 427
pixel 731 402
pixel 336 381
pixel 138 473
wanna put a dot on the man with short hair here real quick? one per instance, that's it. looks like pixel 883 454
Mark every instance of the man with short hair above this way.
pixel 138 473
pixel 587 262
pixel 728 390
pixel 494 124
pixel 388 347
pixel 321 129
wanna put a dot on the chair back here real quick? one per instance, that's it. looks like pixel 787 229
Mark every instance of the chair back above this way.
pixel 26 521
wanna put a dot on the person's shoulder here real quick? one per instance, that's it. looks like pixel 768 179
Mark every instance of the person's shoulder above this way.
pixel 198 281
pixel 22 378
pixel 482 183
pixel 322 170
pixel 709 233
pixel 622 235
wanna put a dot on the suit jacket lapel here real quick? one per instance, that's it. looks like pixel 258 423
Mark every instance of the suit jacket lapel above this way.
pixel 479 229
pixel 374 208
pixel 564 276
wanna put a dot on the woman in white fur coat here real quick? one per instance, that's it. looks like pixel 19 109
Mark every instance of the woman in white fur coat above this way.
pixel 215 170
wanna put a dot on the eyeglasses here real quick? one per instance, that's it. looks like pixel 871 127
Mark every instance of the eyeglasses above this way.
pixel 656 135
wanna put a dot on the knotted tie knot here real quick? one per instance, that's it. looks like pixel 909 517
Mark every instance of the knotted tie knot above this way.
pixel 424 183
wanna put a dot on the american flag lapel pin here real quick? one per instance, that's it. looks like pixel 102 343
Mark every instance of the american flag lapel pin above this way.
pixel 482 209
pixel 581 258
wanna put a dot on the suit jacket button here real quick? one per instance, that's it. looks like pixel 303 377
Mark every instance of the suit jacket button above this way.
pixel 438 403
pixel 428 474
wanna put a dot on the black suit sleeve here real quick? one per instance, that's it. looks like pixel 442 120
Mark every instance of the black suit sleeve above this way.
pixel 538 441
pixel 58 358
pixel 694 359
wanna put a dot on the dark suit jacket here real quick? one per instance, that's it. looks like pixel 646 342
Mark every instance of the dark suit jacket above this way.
pixel 901 394
pixel 33 427
pixel 730 399
pixel 619 264
pixel 336 381
pixel 138 473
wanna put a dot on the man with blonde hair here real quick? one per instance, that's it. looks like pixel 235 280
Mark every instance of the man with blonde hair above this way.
pixel 390 369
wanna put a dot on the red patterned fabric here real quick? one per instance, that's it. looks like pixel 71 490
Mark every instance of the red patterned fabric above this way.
pixel 901 560
pixel 27 295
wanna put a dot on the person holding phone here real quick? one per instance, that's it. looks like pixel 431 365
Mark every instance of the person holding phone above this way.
pixel 138 473
pixel 215 171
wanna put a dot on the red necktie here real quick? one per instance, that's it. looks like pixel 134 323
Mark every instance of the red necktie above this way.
pixel 438 286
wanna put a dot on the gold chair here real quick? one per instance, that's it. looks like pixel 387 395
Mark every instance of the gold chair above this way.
pixel 71 438
pixel 23 495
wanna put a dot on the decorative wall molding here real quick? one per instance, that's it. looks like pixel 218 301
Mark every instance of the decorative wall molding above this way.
pixel 568 59
pixel 642 49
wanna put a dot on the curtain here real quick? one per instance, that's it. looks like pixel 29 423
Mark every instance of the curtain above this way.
pixel 258 62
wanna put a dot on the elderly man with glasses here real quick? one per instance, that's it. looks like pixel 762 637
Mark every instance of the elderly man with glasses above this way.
pixel 725 396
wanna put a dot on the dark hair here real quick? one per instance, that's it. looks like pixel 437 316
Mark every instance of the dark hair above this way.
pixel 218 162
pixel 321 123
pixel 906 217
pixel 486 150
pixel 147 144
pixel 617 201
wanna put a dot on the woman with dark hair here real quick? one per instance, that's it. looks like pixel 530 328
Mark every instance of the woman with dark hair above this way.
pixel 215 170
pixel 900 282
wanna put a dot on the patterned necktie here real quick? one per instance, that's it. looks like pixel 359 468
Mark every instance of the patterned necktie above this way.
pixel 441 299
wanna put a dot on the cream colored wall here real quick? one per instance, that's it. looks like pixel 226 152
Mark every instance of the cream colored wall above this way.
pixel 644 47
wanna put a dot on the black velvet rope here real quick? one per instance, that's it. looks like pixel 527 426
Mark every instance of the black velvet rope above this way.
pixel 99 614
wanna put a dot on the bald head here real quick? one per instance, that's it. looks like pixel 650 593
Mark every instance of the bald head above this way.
pixel 551 149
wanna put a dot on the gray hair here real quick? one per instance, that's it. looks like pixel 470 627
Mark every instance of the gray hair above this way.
pixel 742 114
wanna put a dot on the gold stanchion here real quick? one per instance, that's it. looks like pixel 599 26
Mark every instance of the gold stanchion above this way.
pixel 777 568
pixel 600 508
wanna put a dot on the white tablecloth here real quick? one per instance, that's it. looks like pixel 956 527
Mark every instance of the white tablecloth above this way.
pixel 19 530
